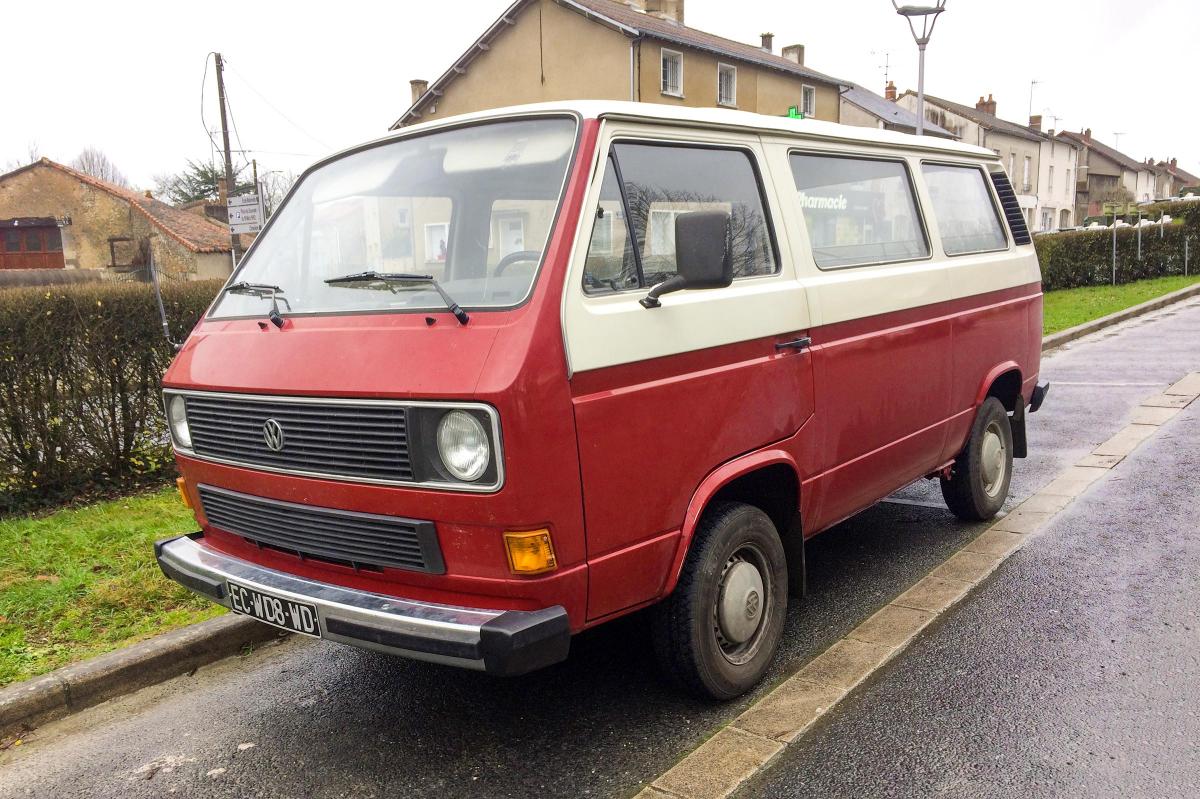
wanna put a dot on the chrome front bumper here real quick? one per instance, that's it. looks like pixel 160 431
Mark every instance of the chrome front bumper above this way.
pixel 506 642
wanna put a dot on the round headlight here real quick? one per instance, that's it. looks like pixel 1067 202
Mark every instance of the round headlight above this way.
pixel 177 416
pixel 463 444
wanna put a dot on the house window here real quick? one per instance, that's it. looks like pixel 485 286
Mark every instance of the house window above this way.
pixel 726 85
pixel 808 101
pixel 1012 167
pixel 1068 181
pixel 437 235
pixel 1050 182
pixel 1027 182
pixel 1047 219
pixel 672 73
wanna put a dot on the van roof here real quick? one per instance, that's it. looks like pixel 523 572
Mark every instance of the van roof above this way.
pixel 813 129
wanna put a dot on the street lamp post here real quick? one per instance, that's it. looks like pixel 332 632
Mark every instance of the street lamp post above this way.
pixel 928 16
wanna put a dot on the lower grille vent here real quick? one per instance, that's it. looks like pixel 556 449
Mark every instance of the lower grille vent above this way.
pixel 363 540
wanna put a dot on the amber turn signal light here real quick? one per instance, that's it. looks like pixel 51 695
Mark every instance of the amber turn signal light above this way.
pixel 181 485
pixel 530 552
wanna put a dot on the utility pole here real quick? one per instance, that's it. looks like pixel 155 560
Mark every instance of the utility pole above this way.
pixel 233 239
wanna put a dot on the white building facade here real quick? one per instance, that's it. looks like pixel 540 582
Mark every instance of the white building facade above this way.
pixel 1058 169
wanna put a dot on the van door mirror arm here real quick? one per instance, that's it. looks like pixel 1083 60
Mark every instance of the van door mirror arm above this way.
pixel 676 283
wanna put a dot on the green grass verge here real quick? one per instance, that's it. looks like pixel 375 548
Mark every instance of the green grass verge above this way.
pixel 1070 307
pixel 80 582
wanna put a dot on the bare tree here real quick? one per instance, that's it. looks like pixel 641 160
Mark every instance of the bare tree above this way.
pixel 93 161
pixel 32 153
pixel 275 186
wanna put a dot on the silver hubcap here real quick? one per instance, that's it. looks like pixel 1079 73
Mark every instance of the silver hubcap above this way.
pixel 993 459
pixel 741 602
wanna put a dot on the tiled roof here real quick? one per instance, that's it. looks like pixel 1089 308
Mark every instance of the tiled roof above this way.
pixel 193 231
pixel 1187 177
pixel 1108 152
pixel 632 23
pixel 984 119
pixel 890 112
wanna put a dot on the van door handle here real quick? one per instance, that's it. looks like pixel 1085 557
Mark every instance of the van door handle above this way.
pixel 795 344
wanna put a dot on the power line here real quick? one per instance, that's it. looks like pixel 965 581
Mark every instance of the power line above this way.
pixel 273 107
pixel 207 132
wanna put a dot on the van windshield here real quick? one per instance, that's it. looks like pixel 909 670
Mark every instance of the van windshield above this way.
pixel 472 207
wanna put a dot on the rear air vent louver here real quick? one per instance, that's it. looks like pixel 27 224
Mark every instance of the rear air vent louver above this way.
pixel 1012 209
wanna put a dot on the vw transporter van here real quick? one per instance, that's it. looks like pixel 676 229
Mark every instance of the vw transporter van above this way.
pixel 494 380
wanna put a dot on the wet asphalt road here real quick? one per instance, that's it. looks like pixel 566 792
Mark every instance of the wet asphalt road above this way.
pixel 328 721
pixel 1072 672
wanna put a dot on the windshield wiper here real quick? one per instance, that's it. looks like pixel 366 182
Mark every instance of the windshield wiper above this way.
pixel 373 279
pixel 275 293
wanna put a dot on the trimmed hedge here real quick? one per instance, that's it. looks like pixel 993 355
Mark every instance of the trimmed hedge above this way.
pixel 80 367
pixel 1084 257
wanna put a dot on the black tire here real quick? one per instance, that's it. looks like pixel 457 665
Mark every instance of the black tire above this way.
pixel 690 635
pixel 980 477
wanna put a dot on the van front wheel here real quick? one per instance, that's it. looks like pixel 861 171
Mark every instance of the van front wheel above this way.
pixel 719 630
pixel 979 479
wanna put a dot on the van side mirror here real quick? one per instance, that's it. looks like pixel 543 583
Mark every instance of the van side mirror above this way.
pixel 703 255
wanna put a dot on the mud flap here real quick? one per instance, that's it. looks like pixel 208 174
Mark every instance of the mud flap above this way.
pixel 1017 423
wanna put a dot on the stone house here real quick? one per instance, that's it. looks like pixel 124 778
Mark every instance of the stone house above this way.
pixel 637 50
pixel 55 217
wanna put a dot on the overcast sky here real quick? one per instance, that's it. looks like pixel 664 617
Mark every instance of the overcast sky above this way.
pixel 308 78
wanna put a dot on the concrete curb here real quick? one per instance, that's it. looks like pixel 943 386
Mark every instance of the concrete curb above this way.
pixel 1060 338
pixel 70 689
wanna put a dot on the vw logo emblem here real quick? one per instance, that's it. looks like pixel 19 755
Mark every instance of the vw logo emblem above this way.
pixel 273 435
pixel 752 604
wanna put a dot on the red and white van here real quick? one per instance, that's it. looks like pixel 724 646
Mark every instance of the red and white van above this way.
pixel 494 380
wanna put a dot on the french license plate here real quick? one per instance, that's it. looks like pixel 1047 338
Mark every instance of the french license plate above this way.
pixel 298 617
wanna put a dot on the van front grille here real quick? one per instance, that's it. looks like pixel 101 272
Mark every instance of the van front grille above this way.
pixel 361 540
pixel 1012 208
pixel 325 437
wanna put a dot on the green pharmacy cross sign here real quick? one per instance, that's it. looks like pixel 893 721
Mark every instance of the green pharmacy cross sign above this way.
pixel 794 112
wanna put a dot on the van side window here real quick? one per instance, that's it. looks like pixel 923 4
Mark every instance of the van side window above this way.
pixel 646 186
pixel 858 210
pixel 966 216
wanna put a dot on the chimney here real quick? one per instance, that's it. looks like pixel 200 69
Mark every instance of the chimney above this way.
pixel 889 91
pixel 670 10
pixel 1174 164
pixel 768 41
pixel 794 53
pixel 980 104
pixel 222 191
pixel 1035 122
pixel 419 87
pixel 1087 134
pixel 987 106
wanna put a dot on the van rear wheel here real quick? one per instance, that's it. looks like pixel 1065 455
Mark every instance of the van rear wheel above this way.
pixel 719 630
pixel 980 477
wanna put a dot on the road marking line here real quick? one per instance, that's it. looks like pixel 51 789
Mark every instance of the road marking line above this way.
pixel 720 765
pixel 1058 383
pixel 919 503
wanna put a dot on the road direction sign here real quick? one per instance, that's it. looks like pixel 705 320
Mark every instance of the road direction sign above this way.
pixel 245 213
